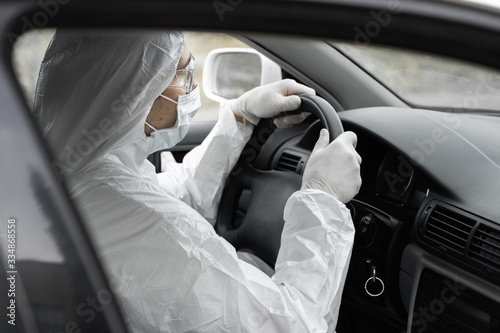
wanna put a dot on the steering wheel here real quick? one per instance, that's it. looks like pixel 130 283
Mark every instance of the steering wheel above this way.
pixel 265 193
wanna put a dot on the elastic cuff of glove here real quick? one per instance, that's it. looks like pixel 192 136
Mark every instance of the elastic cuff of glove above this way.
pixel 249 118
pixel 240 112
pixel 314 191
pixel 242 120
pixel 314 198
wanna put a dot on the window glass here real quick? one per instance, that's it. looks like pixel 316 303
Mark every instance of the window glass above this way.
pixel 429 81
pixel 200 44
pixel 226 84
pixel 30 49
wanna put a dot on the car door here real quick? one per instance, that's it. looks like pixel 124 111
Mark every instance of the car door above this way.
pixel 33 199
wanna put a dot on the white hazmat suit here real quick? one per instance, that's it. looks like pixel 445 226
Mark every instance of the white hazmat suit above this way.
pixel 169 269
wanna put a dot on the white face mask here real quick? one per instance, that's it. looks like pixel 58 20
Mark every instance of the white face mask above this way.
pixel 187 106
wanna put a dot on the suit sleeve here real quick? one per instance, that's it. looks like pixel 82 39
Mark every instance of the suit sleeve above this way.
pixel 200 178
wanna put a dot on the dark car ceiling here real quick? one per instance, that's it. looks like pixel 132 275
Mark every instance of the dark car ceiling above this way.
pixel 435 26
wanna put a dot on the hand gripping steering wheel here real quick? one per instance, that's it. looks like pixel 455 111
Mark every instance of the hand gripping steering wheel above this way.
pixel 265 193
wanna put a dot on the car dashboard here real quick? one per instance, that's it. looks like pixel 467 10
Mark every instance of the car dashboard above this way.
pixel 427 246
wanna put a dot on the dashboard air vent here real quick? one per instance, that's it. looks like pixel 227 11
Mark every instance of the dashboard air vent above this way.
pixel 449 229
pixel 485 246
pixel 290 162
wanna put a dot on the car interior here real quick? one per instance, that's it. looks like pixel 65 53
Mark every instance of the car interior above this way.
pixel 426 255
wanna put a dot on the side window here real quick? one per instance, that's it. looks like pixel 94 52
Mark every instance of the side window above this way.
pixel 30 49
pixel 200 45
pixel 27 57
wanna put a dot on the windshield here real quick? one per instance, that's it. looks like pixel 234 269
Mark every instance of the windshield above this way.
pixel 428 81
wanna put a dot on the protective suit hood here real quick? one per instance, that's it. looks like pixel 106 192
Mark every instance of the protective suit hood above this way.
pixel 95 90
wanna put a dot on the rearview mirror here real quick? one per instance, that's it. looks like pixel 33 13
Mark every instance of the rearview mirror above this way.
pixel 230 72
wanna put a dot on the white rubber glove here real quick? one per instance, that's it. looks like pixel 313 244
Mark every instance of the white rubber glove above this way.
pixel 269 100
pixel 335 167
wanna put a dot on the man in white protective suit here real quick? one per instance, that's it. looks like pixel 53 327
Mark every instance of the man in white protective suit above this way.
pixel 105 101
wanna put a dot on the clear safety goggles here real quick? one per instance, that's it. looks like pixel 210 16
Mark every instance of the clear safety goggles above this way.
pixel 184 78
